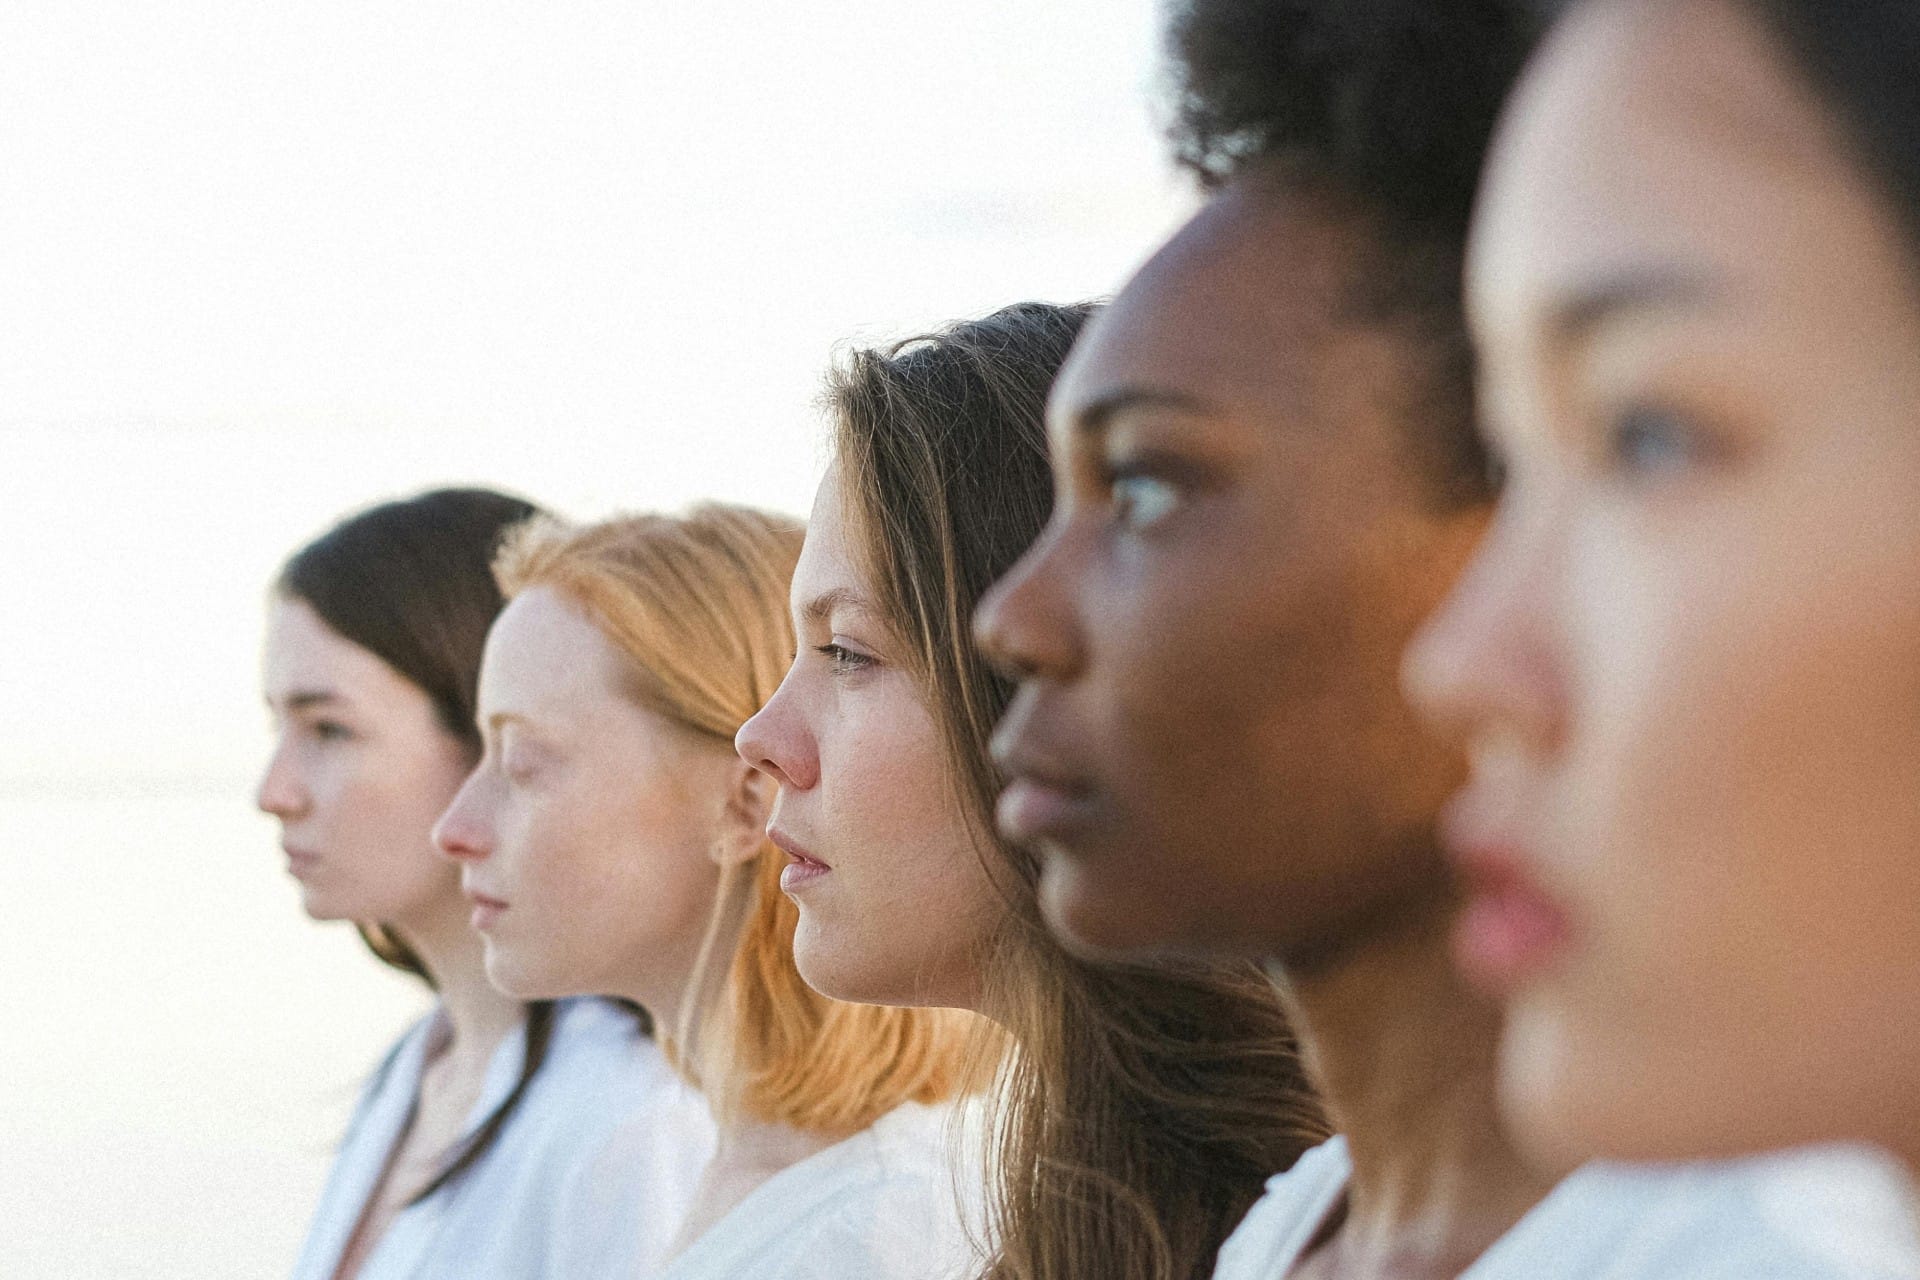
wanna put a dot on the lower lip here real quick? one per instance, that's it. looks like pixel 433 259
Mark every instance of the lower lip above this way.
pixel 299 864
pixel 1029 810
pixel 798 874
pixel 485 913
pixel 1508 933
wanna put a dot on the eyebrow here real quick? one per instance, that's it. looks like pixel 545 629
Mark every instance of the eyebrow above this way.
pixel 1589 307
pixel 307 699
pixel 821 607
pixel 1093 417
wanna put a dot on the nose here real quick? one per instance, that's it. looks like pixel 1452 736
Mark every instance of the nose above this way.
pixel 281 791
pixel 777 740
pixel 1485 663
pixel 1025 624
pixel 465 832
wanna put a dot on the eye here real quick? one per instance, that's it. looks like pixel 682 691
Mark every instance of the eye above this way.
pixel 1648 440
pixel 1140 499
pixel 843 659
pixel 331 731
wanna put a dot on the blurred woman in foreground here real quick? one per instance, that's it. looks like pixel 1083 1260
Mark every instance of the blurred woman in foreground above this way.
pixel 1687 659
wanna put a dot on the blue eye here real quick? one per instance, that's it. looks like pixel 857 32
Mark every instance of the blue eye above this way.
pixel 1139 500
pixel 1648 440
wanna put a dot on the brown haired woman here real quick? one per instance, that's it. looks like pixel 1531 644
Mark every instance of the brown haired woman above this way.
pixel 613 843
pixel 452 1161
pixel 1143 1108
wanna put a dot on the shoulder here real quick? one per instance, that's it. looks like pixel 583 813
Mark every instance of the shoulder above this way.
pixel 1286 1215
pixel 1812 1215
pixel 606 1099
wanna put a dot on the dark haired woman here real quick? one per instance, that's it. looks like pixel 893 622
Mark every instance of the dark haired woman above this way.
pixel 455 1158
pixel 1142 1108
pixel 1687 658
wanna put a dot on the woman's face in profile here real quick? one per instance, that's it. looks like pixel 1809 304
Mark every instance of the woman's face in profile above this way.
pixel 895 906
pixel 361 767
pixel 590 834
pixel 1687 658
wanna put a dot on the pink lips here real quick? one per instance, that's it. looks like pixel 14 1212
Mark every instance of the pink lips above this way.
pixel 486 910
pixel 1511 928
pixel 803 869
pixel 299 861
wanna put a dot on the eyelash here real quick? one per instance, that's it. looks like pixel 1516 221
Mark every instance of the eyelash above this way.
pixel 844 660
pixel 331 731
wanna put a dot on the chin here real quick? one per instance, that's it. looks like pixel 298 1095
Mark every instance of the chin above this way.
pixel 515 976
pixel 857 978
pixel 1091 919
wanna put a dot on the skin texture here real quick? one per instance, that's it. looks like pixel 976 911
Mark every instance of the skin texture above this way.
pixel 361 767
pixel 1687 661
pixel 600 823
pixel 1209 745
pixel 904 913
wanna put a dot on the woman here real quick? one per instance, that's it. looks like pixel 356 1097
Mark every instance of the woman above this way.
pixel 452 1161
pixel 1142 1109
pixel 1265 478
pixel 1686 659
pixel 611 842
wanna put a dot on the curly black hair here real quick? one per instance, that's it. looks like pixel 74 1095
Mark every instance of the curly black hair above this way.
pixel 1387 107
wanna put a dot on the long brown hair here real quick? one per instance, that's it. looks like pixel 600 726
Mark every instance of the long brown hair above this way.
pixel 1144 1107
pixel 698 605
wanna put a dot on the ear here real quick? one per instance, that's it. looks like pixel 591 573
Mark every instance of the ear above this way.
pixel 743 816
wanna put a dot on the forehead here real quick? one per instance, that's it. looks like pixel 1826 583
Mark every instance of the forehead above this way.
pixel 305 655
pixel 1230 310
pixel 1649 131
pixel 830 565
pixel 544 651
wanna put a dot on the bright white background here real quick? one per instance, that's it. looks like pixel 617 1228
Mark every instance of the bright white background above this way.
pixel 263 263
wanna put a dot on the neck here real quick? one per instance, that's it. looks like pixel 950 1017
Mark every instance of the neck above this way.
pixel 1404 1054
pixel 479 1017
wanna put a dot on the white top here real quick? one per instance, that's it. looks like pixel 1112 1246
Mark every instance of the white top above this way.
pixel 1751 1219
pixel 882 1205
pixel 508 1216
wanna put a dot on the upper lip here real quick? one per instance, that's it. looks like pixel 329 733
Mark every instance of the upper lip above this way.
pixel 1485 852
pixel 295 851
pixel 1020 757
pixel 793 848
pixel 482 899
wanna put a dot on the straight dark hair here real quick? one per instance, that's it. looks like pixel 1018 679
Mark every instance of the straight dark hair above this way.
pixel 1144 1107
pixel 412 583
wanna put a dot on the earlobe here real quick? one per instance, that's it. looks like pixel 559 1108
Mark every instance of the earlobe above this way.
pixel 743 819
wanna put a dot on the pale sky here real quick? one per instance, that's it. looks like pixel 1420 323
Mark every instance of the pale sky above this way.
pixel 261 264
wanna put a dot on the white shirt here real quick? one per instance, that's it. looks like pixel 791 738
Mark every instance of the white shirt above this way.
pixel 519 1208
pixel 1732 1220
pixel 884 1204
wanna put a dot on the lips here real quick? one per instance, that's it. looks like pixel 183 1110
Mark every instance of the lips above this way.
pixel 1042 800
pixel 486 908
pixel 802 869
pixel 1511 929
pixel 299 861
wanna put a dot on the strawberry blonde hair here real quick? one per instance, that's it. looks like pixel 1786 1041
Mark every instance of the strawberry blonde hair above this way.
pixel 697 603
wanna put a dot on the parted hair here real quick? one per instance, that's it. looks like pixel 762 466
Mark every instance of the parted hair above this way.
pixel 697 603
pixel 1142 1109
